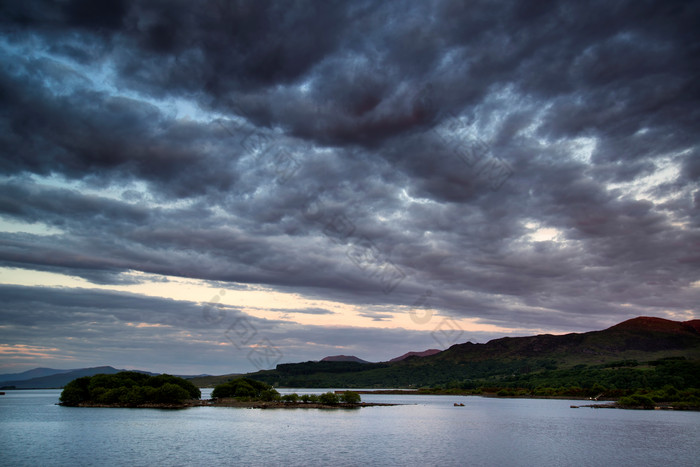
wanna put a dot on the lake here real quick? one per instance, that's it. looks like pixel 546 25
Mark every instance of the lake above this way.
pixel 428 430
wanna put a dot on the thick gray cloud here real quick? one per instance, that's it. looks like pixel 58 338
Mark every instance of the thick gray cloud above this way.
pixel 362 152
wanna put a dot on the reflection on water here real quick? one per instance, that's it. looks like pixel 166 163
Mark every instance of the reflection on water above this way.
pixel 427 430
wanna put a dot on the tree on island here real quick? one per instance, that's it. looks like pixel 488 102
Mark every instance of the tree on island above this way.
pixel 328 398
pixel 128 388
pixel 350 397
pixel 245 389
pixel 291 398
pixel 637 400
pixel 309 398
pixel 347 397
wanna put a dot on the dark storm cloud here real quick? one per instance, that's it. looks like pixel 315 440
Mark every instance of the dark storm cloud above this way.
pixel 92 136
pixel 328 145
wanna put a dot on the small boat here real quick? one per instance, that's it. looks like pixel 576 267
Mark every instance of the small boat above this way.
pixel 2 393
pixel 459 404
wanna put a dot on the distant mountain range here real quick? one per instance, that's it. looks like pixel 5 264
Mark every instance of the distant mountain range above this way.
pixel 29 374
pixel 639 341
pixel 53 378
pixel 352 358
pixel 343 358
pixel 637 338
pixel 48 378
pixel 632 342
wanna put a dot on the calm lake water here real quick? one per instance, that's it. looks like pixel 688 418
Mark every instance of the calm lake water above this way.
pixel 429 430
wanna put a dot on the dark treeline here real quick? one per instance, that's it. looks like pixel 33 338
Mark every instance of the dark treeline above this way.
pixel 619 377
pixel 633 383
pixel 627 374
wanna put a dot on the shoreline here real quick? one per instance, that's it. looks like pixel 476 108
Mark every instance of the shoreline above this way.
pixel 614 405
pixel 289 405
pixel 606 403
pixel 416 392
pixel 236 404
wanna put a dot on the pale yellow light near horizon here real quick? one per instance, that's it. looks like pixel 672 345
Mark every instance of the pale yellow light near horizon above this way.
pixel 257 301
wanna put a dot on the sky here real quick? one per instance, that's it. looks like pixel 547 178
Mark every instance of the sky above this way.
pixel 219 187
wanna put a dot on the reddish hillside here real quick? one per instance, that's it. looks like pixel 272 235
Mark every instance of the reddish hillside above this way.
pixel 695 324
pixel 425 353
pixel 631 339
pixel 647 323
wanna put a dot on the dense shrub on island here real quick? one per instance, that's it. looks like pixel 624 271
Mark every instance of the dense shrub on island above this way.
pixel 350 397
pixel 309 398
pixel 346 397
pixel 129 389
pixel 637 400
pixel 328 398
pixel 292 398
pixel 245 389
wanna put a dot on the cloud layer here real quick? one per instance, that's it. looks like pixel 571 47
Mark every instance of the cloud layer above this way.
pixel 534 167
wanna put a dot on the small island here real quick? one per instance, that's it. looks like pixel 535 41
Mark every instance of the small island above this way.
pixel 138 390
pixel 129 389
pixel 246 392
